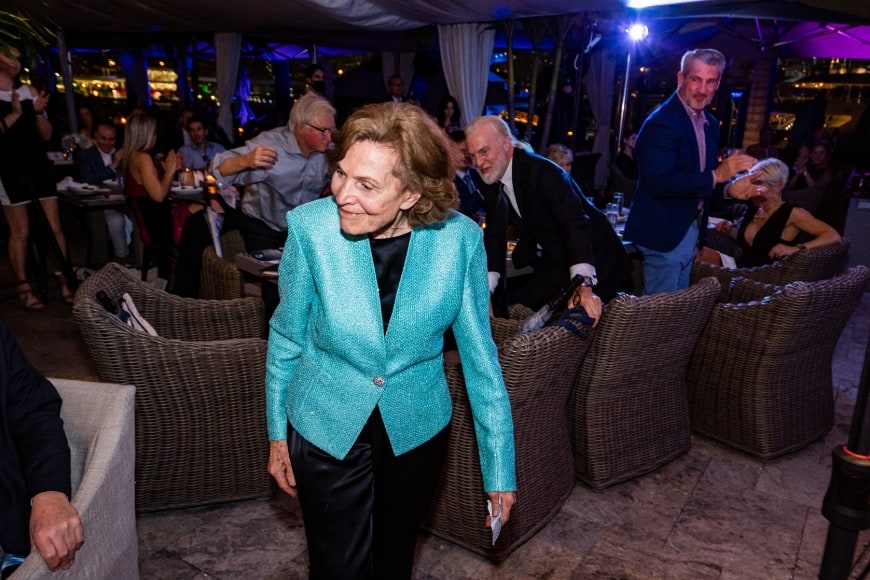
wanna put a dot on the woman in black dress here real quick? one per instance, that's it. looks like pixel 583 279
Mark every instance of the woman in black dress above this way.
pixel 771 228
pixel 25 171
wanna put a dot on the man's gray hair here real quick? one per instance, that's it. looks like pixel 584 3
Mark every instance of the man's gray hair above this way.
pixel 307 107
pixel 709 56
pixel 500 127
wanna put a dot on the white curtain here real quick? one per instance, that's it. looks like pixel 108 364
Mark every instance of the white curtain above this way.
pixel 228 49
pixel 466 51
pixel 398 62
pixel 599 87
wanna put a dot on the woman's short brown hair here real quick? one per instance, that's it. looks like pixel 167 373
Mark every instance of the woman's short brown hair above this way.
pixel 421 149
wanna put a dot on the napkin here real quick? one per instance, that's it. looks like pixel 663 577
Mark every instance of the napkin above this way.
pixel 67 183
pixel 495 521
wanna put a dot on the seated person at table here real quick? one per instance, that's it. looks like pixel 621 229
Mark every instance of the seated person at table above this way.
pixel 147 184
pixel 812 167
pixel 199 153
pixel 771 228
pixel 34 467
pixel 98 164
pixel 195 237
pixel 625 160
pixel 560 155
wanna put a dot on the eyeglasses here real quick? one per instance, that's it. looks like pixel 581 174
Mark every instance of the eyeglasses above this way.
pixel 323 132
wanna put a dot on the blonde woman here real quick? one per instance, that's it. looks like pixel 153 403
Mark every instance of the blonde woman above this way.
pixel 771 228
pixel 147 184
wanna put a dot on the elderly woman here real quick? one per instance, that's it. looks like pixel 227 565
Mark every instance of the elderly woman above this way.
pixel 560 155
pixel 771 228
pixel 357 400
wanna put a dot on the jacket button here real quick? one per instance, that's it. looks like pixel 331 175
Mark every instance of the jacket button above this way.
pixel 378 381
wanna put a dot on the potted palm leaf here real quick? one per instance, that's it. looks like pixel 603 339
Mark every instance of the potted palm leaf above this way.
pixel 23 32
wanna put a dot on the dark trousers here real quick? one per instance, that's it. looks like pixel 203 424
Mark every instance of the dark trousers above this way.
pixel 544 284
pixel 259 236
pixel 362 513
pixel 196 237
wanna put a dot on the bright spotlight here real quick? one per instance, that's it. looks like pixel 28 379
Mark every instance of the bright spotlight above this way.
pixel 637 31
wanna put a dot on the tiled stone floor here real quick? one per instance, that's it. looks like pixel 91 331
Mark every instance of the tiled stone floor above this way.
pixel 713 513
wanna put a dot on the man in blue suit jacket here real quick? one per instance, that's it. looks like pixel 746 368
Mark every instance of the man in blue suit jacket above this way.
pixel 97 164
pixel 676 152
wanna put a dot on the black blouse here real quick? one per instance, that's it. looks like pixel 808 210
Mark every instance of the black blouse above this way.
pixel 389 258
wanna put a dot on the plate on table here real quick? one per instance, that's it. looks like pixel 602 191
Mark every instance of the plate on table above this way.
pixel 186 190
pixel 85 190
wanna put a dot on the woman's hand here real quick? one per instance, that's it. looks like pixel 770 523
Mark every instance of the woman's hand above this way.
pixel 280 468
pixel 725 227
pixel 589 301
pixel 508 499
pixel 16 104
pixel 40 102
pixel 173 163
pixel 781 251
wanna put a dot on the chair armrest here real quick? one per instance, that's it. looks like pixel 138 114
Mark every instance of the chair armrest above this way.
pixel 746 290
pixel 193 319
pixel 701 270
pixel 504 329
pixel 172 316
pixel 220 278
pixel 99 423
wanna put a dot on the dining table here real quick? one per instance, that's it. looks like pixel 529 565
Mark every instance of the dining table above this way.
pixel 89 202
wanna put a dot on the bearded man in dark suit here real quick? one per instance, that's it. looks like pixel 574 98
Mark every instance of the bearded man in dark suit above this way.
pixel 561 234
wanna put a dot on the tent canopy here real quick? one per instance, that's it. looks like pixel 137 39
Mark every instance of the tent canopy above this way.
pixel 380 24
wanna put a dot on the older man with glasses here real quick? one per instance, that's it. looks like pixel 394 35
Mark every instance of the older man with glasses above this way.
pixel 280 169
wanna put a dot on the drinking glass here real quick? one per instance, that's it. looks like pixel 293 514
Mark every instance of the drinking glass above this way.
pixel 619 200
pixel 612 213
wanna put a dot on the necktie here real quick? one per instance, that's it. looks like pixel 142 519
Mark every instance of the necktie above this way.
pixel 469 183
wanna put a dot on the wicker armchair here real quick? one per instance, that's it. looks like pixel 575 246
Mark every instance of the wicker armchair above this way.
pixel 538 369
pixel 220 279
pixel 98 421
pixel 200 389
pixel 760 377
pixel 628 411
pixel 806 265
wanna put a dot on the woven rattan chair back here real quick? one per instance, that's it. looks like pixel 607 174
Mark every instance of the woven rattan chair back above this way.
pixel 806 266
pixel 220 279
pixel 200 389
pixel 628 411
pixel 760 378
pixel 538 369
